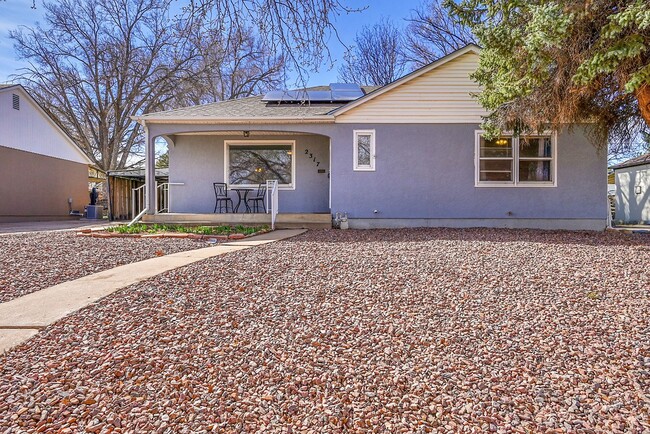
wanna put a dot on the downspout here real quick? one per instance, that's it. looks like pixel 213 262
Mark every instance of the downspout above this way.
pixel 146 173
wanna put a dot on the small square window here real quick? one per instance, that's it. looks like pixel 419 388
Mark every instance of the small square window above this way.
pixel 364 150
pixel 16 102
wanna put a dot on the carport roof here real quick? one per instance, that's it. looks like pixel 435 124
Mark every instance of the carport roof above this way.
pixel 249 108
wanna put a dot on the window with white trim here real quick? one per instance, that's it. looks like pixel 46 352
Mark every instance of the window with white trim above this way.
pixel 511 161
pixel 249 163
pixel 364 150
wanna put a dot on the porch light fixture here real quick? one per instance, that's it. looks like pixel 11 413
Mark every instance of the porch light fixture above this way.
pixel 247 133
pixel 501 142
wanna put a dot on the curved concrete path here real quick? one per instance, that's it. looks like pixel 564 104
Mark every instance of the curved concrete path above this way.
pixel 23 317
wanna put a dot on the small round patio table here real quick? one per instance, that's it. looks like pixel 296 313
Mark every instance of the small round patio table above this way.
pixel 242 193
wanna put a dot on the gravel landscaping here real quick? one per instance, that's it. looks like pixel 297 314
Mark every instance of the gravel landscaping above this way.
pixel 432 330
pixel 30 262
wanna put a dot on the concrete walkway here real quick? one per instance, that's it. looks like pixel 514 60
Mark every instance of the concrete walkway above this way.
pixel 23 317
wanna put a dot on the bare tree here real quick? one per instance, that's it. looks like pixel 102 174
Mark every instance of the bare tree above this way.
pixel 234 64
pixel 376 58
pixel 93 65
pixel 300 29
pixel 433 33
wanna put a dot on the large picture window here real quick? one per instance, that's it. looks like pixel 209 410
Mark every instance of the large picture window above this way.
pixel 515 161
pixel 251 163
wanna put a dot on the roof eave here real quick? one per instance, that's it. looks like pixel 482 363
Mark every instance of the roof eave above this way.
pixel 627 166
pixel 233 121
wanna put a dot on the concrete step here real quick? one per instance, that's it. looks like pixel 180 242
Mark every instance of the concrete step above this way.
pixel 283 221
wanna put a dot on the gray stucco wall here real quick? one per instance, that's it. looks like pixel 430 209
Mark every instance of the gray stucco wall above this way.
pixel 198 161
pixel 425 173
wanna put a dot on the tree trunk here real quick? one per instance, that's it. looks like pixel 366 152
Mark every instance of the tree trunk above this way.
pixel 643 96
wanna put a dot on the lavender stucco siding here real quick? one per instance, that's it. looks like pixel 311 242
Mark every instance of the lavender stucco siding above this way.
pixel 423 172
pixel 198 161
pixel 427 171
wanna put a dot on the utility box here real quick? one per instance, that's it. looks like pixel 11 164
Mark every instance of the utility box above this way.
pixel 94 212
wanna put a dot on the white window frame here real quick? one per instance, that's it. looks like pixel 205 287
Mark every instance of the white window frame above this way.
pixel 226 166
pixel 515 162
pixel 355 151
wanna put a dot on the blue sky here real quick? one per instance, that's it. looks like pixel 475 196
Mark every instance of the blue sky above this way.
pixel 14 13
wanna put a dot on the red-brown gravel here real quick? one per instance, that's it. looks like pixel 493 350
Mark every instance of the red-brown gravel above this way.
pixel 30 262
pixel 358 331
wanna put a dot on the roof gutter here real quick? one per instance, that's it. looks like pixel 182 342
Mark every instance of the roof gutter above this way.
pixel 325 119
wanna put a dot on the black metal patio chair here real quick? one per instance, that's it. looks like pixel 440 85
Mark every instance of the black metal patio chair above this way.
pixel 253 202
pixel 221 197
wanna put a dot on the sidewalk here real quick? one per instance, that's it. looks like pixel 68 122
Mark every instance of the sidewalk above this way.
pixel 23 317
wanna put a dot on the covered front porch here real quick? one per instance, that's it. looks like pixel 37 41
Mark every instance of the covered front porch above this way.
pixel 215 175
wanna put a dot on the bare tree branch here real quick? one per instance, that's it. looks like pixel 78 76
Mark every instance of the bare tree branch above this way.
pixel 377 57
pixel 433 33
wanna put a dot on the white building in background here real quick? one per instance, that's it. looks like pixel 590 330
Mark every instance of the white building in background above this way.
pixel 633 190
pixel 43 174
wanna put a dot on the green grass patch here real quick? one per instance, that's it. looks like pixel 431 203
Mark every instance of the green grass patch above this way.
pixel 141 228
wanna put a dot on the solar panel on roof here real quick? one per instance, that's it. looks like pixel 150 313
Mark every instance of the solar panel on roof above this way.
pixel 319 95
pixel 340 92
pixel 346 91
pixel 296 95
pixel 345 87
pixel 346 96
pixel 274 95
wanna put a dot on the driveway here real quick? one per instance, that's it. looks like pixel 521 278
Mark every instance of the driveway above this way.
pixel 54 225
pixel 434 330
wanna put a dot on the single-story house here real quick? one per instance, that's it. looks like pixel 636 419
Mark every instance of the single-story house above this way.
pixel 408 154
pixel 43 174
pixel 632 179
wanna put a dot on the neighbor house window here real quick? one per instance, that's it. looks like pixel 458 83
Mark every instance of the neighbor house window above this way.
pixel 251 163
pixel 364 150
pixel 515 161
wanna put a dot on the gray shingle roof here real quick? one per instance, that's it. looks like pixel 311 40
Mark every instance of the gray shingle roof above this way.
pixel 251 107
pixel 5 85
pixel 636 161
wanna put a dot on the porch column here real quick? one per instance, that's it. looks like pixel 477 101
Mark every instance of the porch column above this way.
pixel 150 171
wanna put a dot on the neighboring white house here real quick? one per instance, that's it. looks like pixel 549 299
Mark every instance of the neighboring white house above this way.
pixel 633 190
pixel 43 174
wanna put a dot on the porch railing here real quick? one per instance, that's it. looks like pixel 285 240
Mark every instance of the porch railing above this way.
pixel 272 200
pixel 138 200
pixel 162 196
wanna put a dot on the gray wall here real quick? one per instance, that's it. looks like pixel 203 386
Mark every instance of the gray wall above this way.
pixel 198 161
pixel 425 172
pixel 633 194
